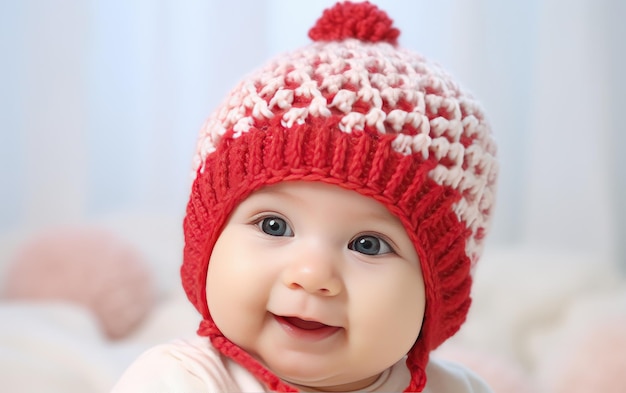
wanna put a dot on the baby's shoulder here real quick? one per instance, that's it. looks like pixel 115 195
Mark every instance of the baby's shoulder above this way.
pixel 195 355
pixel 185 365
pixel 448 377
pixel 187 351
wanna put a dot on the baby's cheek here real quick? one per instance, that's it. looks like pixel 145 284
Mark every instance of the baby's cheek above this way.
pixel 393 304
pixel 235 295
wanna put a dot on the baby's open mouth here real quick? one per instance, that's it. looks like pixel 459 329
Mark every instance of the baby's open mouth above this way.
pixel 303 324
pixel 305 329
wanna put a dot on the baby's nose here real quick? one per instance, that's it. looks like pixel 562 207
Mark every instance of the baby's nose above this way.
pixel 316 272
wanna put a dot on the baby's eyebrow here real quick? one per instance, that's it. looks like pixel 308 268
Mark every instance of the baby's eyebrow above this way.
pixel 277 193
pixel 382 216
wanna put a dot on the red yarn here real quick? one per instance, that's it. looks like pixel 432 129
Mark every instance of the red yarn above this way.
pixel 355 20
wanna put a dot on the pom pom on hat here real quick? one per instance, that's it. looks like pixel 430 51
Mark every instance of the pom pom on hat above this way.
pixel 363 21
pixel 353 110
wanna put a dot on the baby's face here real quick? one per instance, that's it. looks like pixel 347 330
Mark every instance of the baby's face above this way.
pixel 320 284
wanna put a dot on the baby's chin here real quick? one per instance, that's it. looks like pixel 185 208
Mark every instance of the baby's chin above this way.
pixel 325 386
pixel 329 379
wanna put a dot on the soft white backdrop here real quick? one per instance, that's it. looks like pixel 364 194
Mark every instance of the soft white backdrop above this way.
pixel 100 103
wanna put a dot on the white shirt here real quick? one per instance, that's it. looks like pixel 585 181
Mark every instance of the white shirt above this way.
pixel 194 365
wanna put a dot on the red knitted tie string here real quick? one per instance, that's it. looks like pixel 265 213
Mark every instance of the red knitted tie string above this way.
pixel 229 349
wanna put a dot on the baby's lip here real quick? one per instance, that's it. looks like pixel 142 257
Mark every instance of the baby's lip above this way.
pixel 306 328
pixel 303 323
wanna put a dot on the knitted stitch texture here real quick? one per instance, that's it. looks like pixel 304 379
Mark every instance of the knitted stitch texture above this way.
pixel 355 110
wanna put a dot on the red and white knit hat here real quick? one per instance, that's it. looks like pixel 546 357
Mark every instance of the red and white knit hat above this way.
pixel 355 110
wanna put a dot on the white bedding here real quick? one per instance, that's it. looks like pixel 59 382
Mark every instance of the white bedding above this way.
pixel 57 347
pixel 54 347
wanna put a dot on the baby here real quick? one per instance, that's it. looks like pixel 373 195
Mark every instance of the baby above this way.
pixel 341 197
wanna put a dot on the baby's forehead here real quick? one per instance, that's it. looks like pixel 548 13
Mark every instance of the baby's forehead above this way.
pixel 327 196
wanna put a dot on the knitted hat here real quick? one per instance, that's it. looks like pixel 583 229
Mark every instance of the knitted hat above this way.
pixel 355 110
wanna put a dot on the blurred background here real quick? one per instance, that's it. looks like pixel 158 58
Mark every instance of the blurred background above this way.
pixel 101 102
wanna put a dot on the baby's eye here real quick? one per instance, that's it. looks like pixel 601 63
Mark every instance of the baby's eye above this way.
pixel 370 245
pixel 275 226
